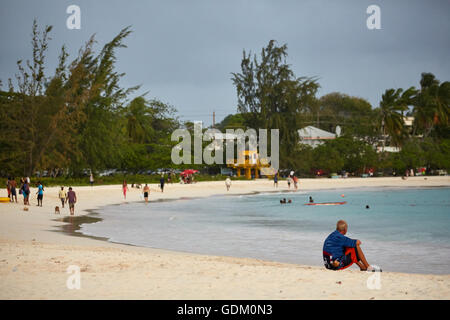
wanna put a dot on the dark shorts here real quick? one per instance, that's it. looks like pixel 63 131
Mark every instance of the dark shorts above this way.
pixel 145 194
pixel 13 192
pixel 350 256
pixel 40 196
pixel 71 204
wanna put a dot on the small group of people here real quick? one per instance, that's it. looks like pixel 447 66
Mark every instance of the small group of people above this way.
pixel 292 178
pixel 283 201
pixel 24 189
pixel 145 189
pixel 187 179
pixel 68 197
pixel 408 172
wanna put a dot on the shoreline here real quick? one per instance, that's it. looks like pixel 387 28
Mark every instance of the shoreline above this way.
pixel 91 215
pixel 31 236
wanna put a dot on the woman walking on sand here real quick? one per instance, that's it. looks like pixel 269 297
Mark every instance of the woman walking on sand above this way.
pixel 295 182
pixel 40 193
pixel 26 193
pixel 289 181
pixel 91 179
pixel 125 189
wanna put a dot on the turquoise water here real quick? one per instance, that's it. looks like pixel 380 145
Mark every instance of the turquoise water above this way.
pixel 405 230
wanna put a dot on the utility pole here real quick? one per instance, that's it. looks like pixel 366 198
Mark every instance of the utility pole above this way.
pixel 214 119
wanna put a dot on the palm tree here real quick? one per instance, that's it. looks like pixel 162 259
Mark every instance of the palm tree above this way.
pixel 138 117
pixel 392 105
pixel 431 106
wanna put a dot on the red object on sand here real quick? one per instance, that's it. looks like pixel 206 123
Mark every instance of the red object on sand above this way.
pixel 188 171
pixel 325 203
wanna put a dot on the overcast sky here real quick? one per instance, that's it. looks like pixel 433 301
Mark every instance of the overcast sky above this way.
pixel 184 51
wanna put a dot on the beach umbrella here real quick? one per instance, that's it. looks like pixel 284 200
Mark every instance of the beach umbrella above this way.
pixel 188 171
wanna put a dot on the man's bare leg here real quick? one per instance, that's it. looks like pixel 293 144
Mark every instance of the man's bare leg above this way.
pixel 361 266
pixel 362 263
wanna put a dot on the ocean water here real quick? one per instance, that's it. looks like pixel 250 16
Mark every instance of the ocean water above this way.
pixel 404 230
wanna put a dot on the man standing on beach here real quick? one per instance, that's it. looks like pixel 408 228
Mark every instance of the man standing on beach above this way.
pixel 91 179
pixel 72 199
pixel 228 183
pixel 340 252
pixel 13 186
pixel 146 191
pixel 275 180
pixel 161 183
pixel 8 187
pixel 62 196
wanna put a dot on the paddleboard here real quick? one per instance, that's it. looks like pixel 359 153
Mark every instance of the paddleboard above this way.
pixel 325 203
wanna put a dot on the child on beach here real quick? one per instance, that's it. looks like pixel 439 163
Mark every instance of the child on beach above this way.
pixel 340 252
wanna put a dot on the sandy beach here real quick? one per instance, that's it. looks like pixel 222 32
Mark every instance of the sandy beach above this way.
pixel 34 257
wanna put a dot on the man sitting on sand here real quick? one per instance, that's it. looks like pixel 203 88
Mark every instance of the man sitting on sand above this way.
pixel 340 252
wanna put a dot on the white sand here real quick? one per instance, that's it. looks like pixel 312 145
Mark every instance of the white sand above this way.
pixel 34 258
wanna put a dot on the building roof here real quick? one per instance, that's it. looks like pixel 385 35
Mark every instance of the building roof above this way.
pixel 310 132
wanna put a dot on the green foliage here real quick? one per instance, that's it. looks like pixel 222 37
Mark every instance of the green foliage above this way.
pixel 232 121
pixel 80 119
pixel 431 105
pixel 345 153
pixel 75 120
pixel 271 97
pixel 354 115
pixel 393 104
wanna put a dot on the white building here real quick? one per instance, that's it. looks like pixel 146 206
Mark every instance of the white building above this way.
pixel 313 136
